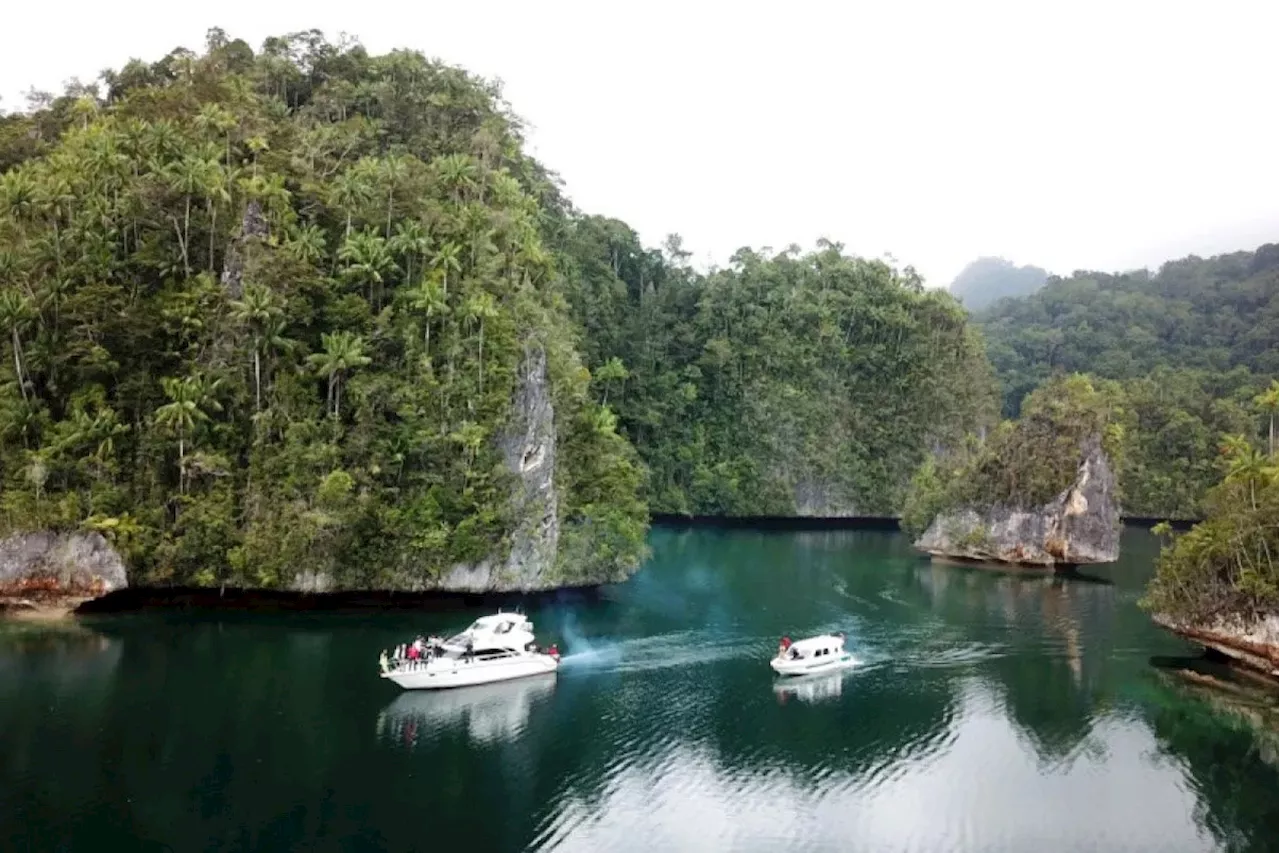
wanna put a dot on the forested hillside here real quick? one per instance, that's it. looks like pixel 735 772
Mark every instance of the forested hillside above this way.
pixel 788 383
pixel 266 314
pixel 987 280
pixel 307 311
pixel 1191 346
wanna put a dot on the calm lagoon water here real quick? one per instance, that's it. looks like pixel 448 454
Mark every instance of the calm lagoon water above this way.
pixel 989 712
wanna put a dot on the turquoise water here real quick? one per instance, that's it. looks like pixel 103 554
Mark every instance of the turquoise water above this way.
pixel 987 712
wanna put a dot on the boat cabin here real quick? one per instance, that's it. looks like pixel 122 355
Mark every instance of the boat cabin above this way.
pixel 815 647
pixel 501 631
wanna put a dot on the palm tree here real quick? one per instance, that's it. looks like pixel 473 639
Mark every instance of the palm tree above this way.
pixel 1247 466
pixel 481 307
pixel 457 172
pixel 446 258
pixel 16 313
pixel 188 176
pixel 307 243
pixel 256 310
pixel 611 372
pixel 257 145
pixel 216 189
pixel 188 400
pixel 410 241
pixel 214 119
pixel 1269 402
pixel 368 260
pixel 349 191
pixel 428 298
pixel 343 352
pixel 392 169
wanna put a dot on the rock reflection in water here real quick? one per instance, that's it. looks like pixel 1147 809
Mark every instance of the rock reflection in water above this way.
pixel 492 712
pixel 65 656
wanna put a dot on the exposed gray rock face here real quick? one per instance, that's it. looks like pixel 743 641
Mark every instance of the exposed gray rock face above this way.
pixel 73 564
pixel 253 226
pixel 1250 643
pixel 529 450
pixel 1080 525
pixel 821 500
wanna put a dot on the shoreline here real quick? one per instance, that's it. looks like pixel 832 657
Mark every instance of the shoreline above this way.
pixel 139 599
pixel 787 523
pixel 1246 649
pixel 52 608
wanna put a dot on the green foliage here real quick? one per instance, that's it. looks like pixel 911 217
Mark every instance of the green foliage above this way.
pixel 1226 564
pixel 1212 315
pixel 1191 346
pixel 1023 463
pixel 263 315
pixel 785 383
pixel 927 495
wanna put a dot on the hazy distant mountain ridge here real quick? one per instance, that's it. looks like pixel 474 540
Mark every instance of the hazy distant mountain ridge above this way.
pixel 986 280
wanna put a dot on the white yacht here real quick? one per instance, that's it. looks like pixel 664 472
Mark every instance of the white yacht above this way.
pixel 816 654
pixel 493 648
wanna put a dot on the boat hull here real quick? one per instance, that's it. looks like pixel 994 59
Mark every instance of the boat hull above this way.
pixel 441 675
pixel 808 666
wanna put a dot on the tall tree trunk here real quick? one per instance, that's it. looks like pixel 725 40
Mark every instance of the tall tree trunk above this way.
pixel 17 362
pixel 257 376
pixel 213 228
pixel 480 369
pixel 186 237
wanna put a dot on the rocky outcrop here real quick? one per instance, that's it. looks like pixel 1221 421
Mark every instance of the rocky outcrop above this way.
pixel 1251 643
pixel 529 451
pixel 1080 525
pixel 528 446
pixel 253 226
pixel 815 499
pixel 47 569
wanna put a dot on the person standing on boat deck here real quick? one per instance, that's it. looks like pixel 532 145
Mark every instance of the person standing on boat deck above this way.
pixel 470 651
pixel 382 661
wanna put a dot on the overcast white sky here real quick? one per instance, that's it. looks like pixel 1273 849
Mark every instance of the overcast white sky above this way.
pixel 1100 135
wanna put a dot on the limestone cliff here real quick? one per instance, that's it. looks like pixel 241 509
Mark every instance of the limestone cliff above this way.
pixel 1080 525
pixel 45 566
pixel 529 451
pixel 528 446
pixel 816 499
pixel 1250 642
pixel 253 226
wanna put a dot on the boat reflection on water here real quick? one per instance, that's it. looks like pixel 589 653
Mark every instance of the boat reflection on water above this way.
pixel 492 712
pixel 812 688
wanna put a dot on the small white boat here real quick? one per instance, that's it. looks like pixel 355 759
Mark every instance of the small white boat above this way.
pixel 493 648
pixel 816 654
